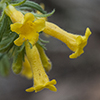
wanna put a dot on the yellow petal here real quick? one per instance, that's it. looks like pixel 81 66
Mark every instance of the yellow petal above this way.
pixel 31 89
pixel 29 31
pixel 34 38
pixel 87 33
pixel 81 42
pixel 19 41
pixel 29 17
pixel 76 54
pixel 50 85
pixel 52 82
pixel 39 25
pixel 52 88
pixel 16 27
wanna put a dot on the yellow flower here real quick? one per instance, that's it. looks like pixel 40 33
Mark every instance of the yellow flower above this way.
pixel 15 15
pixel 28 29
pixel 75 42
pixel 40 78
pixel 26 70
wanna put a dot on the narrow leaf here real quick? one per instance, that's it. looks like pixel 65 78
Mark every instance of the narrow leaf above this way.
pixel 43 15
pixel 33 5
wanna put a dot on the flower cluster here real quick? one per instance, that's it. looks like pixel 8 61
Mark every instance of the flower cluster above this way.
pixel 20 39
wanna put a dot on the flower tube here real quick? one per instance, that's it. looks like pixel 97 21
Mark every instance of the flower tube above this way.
pixel 75 42
pixel 15 15
pixel 40 78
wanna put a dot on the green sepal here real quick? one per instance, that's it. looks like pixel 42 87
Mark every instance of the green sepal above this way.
pixel 42 45
pixel 4 65
pixel 23 54
pixel 43 41
pixel 21 47
pixel 30 45
pixel 43 15
pixel 33 5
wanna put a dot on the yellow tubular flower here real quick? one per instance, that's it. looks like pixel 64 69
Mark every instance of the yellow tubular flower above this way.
pixel 15 16
pixel 26 70
pixel 45 60
pixel 40 78
pixel 75 42
pixel 27 29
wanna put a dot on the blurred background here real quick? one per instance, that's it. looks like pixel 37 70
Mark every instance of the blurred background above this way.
pixel 78 79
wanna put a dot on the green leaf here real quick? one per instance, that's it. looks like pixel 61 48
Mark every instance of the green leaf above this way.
pixel 8 32
pixel 24 8
pixel 19 3
pixel 33 5
pixel 43 15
